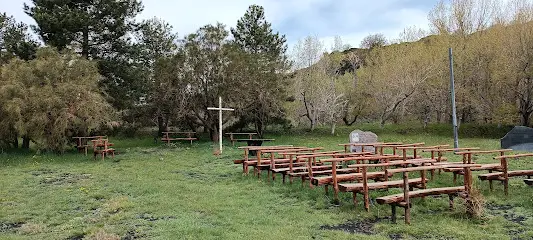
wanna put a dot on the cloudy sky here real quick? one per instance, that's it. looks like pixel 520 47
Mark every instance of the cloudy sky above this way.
pixel 350 19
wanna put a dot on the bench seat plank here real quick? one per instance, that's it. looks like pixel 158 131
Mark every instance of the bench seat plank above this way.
pixel 397 198
pixel 529 182
pixel 495 176
pixel 351 187
pixel 345 177
pixel 491 166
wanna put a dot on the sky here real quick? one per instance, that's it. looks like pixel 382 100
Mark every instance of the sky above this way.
pixel 352 20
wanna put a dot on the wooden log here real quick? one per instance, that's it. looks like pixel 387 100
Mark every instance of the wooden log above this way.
pixel 318 181
pixel 419 193
pixel 358 187
pixel 495 176
pixel 425 168
pixel 515 156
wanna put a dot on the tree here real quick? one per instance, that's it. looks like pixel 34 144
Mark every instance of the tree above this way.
pixel 51 98
pixel 99 30
pixel 158 45
pixel 374 41
pixel 254 35
pixel 15 40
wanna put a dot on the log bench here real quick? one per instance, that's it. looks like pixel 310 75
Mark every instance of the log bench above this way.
pixel 363 145
pixel 355 174
pixel 404 199
pixel 505 174
pixel 364 187
pixel 437 154
pixel 233 139
pixel 268 163
pixel 467 159
pixel 298 162
pixel 168 137
pixel 247 161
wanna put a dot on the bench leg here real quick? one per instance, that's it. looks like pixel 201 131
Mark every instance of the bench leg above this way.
pixel 506 186
pixel 454 178
pixel 490 182
pixel 354 198
pixel 451 197
pixel 326 189
pixel 367 201
pixel 273 176
pixel 393 215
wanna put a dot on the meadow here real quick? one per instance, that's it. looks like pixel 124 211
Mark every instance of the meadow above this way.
pixel 153 191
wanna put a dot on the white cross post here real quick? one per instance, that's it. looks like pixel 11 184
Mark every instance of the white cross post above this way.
pixel 220 109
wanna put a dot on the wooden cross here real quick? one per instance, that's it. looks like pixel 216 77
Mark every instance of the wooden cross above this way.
pixel 220 109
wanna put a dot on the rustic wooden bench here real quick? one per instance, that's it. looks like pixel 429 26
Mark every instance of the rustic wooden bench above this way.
pixel 247 161
pixel 364 187
pixel 437 154
pixel 181 136
pixel 102 147
pixel 404 199
pixel 467 158
pixel 298 164
pixel 273 162
pixel 82 143
pixel 505 174
pixel 233 139
pixel 333 178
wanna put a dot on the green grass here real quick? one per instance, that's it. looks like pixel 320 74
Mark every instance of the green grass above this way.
pixel 184 192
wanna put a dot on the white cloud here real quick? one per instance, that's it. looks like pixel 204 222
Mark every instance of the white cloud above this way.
pixel 350 19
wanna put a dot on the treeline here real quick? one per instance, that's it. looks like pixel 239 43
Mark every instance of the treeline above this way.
pixel 408 79
pixel 97 69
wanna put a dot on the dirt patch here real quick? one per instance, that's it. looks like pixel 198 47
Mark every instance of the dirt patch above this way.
pixel 64 178
pixel 354 226
pixel 193 175
pixel 395 237
pixel 43 171
pixel 507 212
pixel 9 227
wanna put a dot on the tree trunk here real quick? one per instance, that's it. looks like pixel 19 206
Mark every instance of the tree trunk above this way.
pixel 25 142
pixel 162 125
pixel 16 142
pixel 259 128
pixel 85 44
pixel 333 128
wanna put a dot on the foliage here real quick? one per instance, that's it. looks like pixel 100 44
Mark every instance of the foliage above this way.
pixel 267 65
pixel 14 40
pixel 51 99
pixel 98 30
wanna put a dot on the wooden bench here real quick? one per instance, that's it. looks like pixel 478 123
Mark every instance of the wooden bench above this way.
pixel 102 147
pixel 505 174
pixel 233 140
pixel 404 199
pixel 182 136
pixel 364 187
pixel 467 158
pixel 297 164
pixel 437 154
pixel 82 142
pixel 355 174
pixel 247 161
pixel 272 161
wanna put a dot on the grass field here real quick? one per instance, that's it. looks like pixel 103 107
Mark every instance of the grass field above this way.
pixel 150 191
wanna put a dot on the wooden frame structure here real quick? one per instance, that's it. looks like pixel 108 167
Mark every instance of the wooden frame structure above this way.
pixel 505 174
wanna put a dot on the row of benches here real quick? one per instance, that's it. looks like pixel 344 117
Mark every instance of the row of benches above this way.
pixel 325 169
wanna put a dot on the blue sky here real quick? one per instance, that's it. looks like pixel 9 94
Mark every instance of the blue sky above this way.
pixel 350 19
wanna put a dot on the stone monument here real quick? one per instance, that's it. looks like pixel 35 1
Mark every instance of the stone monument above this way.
pixel 358 136
pixel 520 138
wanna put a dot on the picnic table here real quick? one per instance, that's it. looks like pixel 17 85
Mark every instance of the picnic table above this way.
pixel 233 140
pixel 102 147
pixel 82 142
pixel 189 136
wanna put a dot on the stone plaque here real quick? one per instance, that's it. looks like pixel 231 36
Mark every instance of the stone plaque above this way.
pixel 359 136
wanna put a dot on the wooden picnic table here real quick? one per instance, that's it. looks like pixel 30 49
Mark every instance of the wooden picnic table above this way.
pixel 233 140
pixel 102 147
pixel 81 142
pixel 189 136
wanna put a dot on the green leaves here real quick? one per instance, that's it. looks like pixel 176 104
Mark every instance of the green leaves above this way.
pixel 51 98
